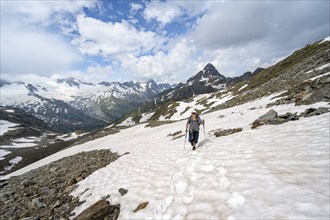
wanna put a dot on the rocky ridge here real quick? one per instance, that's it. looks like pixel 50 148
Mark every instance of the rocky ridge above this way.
pixel 291 75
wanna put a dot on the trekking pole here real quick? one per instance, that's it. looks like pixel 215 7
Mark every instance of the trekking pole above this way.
pixel 204 131
pixel 185 139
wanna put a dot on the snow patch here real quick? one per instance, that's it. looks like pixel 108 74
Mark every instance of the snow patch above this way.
pixel 218 101
pixel 3 153
pixel 146 116
pixel 323 66
pixel 242 87
pixel 6 126
pixel 319 76
pixel 70 136
pixel 127 122
pixel 325 40
pixel 19 145
pixel 13 162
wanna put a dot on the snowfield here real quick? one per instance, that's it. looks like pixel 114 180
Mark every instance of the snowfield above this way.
pixel 3 153
pixel 6 126
pixel 13 162
pixel 127 122
pixel 272 172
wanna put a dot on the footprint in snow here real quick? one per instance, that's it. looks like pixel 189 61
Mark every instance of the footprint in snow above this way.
pixel 222 171
pixel 190 168
pixel 188 198
pixel 194 176
pixel 181 160
pixel 208 166
pixel 161 207
pixel 193 153
pixel 180 187
pixel 224 182
pixel 236 200
pixel 177 175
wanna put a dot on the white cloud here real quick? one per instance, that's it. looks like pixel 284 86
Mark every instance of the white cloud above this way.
pixel 32 51
pixel 259 34
pixel 42 11
pixel 105 39
pixel 166 12
pixel 163 12
pixel 100 70
pixel 28 46
pixel 285 24
pixel 235 36
pixel 178 62
pixel 136 7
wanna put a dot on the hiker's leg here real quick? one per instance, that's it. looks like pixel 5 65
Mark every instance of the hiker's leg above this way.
pixel 193 143
pixel 196 135
pixel 191 137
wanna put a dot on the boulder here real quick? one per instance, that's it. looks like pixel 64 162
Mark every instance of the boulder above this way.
pixel 27 183
pixel 290 116
pixel 100 210
pixel 79 178
pixel 276 121
pixel 36 202
pixel 141 206
pixel 71 181
pixel 122 191
pixel 313 111
pixel 270 118
pixel 114 212
pixel 69 188
pixel 271 114
pixel 225 132
pixel 174 134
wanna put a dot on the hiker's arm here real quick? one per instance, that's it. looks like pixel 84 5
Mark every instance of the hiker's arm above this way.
pixel 188 121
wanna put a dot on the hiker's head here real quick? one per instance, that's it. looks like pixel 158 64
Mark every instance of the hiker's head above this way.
pixel 194 114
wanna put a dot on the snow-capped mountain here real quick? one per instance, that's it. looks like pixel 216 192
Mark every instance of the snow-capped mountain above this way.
pixel 70 104
pixel 205 81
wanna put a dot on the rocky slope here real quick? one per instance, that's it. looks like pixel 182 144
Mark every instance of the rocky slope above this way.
pixel 290 75
pixel 43 193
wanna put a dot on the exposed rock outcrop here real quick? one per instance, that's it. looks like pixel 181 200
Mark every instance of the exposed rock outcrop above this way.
pixel 272 118
pixel 225 132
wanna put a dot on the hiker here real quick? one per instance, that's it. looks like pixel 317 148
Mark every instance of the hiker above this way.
pixel 194 121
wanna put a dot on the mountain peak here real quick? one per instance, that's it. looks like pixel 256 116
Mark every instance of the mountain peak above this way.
pixel 209 66
pixel 151 81
pixel 73 82
pixel 210 71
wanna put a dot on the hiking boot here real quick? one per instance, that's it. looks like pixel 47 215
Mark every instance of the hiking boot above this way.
pixel 194 147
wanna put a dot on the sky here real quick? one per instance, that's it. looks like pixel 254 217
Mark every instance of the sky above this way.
pixel 168 41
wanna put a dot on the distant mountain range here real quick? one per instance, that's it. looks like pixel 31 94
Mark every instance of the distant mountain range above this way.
pixel 69 104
